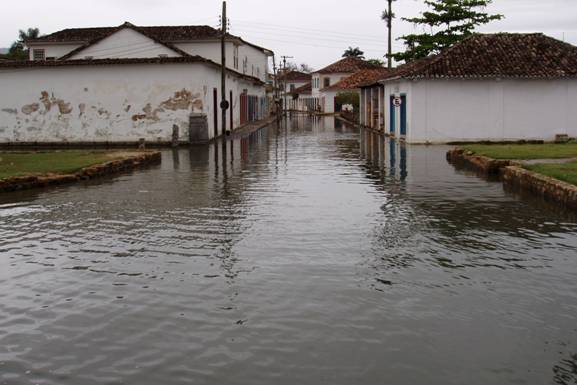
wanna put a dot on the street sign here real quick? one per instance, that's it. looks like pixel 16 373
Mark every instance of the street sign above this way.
pixel 397 102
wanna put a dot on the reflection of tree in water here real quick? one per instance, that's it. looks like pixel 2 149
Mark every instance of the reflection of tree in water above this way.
pixel 566 371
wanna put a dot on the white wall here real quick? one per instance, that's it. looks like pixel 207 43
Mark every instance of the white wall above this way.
pixel 453 110
pixel 256 60
pixel 334 78
pixel 126 43
pixel 110 102
pixel 54 50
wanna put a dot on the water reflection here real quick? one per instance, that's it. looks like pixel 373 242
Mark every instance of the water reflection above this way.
pixel 306 252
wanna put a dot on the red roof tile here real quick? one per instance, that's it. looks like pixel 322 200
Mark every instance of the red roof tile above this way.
pixel 346 65
pixel 359 78
pixel 296 76
pixel 502 55
pixel 303 90
pixel 166 34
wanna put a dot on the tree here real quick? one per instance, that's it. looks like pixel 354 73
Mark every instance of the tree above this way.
pixel 376 62
pixel 449 21
pixel 354 52
pixel 388 16
pixel 17 51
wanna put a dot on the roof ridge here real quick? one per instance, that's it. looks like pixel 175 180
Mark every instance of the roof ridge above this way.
pixel 117 29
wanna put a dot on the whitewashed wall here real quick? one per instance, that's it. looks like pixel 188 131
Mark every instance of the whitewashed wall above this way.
pixel 54 50
pixel 446 111
pixel 334 78
pixel 109 102
pixel 256 60
pixel 126 43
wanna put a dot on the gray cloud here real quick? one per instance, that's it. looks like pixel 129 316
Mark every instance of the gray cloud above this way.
pixel 313 31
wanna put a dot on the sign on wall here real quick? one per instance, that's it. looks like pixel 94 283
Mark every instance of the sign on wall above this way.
pixel 397 102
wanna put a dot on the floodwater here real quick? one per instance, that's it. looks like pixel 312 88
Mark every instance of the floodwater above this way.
pixel 307 254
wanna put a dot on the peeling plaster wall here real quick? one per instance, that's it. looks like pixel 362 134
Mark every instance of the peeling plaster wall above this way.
pixel 113 103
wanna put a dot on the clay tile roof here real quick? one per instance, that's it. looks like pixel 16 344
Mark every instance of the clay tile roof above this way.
pixel 296 76
pixel 121 61
pixel 303 90
pixel 359 79
pixel 346 65
pixel 165 34
pixel 501 55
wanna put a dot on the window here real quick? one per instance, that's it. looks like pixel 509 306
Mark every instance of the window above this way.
pixel 51 58
pixel 252 70
pixel 293 88
pixel 326 82
pixel 258 73
pixel 163 55
pixel 38 54
pixel 235 57
pixel 245 65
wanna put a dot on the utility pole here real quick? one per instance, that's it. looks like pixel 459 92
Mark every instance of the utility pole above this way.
pixel 284 78
pixel 390 27
pixel 224 105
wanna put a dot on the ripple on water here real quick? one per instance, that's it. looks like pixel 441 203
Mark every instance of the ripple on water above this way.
pixel 305 255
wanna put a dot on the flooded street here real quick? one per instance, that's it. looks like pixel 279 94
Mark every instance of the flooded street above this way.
pixel 305 254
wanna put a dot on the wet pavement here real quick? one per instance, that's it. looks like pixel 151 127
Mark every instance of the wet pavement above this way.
pixel 310 253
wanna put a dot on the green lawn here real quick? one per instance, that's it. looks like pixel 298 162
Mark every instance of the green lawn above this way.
pixel 565 171
pixel 57 162
pixel 525 151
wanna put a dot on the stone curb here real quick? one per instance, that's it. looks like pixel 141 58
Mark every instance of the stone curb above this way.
pixel 513 174
pixel 91 172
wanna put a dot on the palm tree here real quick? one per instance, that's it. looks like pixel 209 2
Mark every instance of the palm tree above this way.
pixel 354 52
pixel 388 17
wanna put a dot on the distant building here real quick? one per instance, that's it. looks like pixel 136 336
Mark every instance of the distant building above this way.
pixel 289 82
pixel 351 85
pixel 494 87
pixel 326 77
pixel 120 84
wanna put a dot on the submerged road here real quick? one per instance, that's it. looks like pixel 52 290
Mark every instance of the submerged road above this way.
pixel 310 253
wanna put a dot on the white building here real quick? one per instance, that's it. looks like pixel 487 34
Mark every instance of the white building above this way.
pixel 125 83
pixel 323 79
pixel 495 87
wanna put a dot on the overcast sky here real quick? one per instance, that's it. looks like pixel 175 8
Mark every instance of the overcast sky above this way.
pixel 313 31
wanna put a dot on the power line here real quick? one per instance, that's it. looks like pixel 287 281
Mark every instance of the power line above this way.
pixel 281 27
pixel 307 35
pixel 301 43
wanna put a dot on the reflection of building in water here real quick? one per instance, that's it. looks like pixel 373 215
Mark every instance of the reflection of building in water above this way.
pixel 391 155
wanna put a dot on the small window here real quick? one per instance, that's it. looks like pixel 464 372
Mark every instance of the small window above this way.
pixel 162 55
pixel 293 88
pixel 326 82
pixel 235 57
pixel 88 57
pixel 51 58
pixel 38 54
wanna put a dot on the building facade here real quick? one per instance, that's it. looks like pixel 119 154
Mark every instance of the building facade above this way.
pixel 496 87
pixel 129 83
